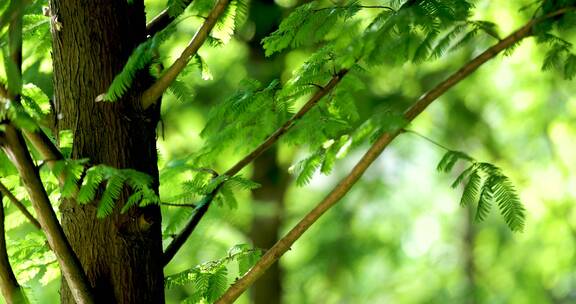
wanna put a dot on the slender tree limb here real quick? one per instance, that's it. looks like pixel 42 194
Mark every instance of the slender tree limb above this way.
pixel 369 157
pixel 152 94
pixel 181 238
pixel 179 205
pixel 5 192
pixel 69 264
pixel 11 290
pixel 272 139
pixel 161 21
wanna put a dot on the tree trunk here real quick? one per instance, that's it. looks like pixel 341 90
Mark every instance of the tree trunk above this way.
pixel 92 40
pixel 266 223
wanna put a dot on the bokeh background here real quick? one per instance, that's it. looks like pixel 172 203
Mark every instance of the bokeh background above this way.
pixel 400 235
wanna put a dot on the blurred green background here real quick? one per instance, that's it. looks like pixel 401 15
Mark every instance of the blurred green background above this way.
pixel 400 235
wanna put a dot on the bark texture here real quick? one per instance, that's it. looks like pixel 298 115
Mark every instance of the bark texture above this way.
pixel 92 40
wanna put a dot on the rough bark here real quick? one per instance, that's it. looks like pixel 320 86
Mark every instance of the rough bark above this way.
pixel 120 254
pixel 267 221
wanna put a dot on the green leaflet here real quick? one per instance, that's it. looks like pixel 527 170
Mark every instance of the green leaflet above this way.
pixel 486 185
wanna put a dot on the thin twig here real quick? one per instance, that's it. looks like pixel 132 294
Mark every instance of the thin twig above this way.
pixel 181 238
pixel 179 205
pixel 154 92
pixel 389 8
pixel 19 205
pixel 369 157
pixel 428 139
pixel 161 21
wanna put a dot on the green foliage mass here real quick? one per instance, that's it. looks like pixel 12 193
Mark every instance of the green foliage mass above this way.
pixel 210 279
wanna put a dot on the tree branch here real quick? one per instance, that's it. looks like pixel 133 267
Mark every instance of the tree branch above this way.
pixel 202 208
pixel 67 259
pixel 4 191
pixel 369 157
pixel 11 290
pixel 152 94
pixel 287 125
pixel 178 205
pixel 181 237
pixel 161 21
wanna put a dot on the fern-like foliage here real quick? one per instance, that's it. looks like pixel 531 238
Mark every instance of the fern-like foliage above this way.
pixel 72 169
pixel 31 258
pixel 140 58
pixel 115 180
pixel 559 55
pixel 210 279
pixel 177 7
pixel 486 185
pixel 231 19
pixel 199 188
pixel 244 119
pixel 324 158
pixel 307 24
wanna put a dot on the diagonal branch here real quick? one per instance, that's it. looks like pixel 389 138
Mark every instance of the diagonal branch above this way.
pixel 202 208
pixel 5 192
pixel 11 290
pixel 161 21
pixel 287 125
pixel 369 157
pixel 154 92
pixel 70 266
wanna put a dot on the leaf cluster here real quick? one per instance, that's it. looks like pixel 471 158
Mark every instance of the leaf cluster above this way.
pixel 210 279
pixel 113 181
pixel 486 185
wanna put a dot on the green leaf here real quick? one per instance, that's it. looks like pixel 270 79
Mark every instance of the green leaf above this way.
pixel 306 168
pixel 449 160
pixel 570 67
pixel 111 193
pixel 485 201
pixel 176 7
pixel 508 201
pixel 91 181
pixel 247 261
pixel 217 284
pixel 471 193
